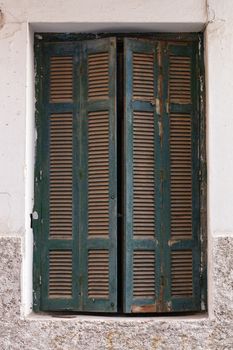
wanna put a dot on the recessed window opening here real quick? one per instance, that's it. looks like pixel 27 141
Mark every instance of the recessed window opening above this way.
pixel 119 177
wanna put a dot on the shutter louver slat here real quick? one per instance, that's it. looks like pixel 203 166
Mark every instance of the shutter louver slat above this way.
pixel 60 274
pixel 143 76
pixel 144 274
pixel 98 163
pixel 181 270
pixel 143 175
pixel 61 79
pixel 98 274
pixel 180 79
pixel 60 185
pixel 181 175
pixel 98 76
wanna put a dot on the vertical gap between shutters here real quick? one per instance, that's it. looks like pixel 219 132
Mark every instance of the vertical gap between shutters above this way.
pixel 120 185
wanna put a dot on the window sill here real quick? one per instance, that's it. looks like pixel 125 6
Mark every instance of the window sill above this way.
pixel 110 318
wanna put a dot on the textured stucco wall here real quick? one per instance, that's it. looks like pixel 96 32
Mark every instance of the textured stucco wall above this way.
pixel 93 333
pixel 18 20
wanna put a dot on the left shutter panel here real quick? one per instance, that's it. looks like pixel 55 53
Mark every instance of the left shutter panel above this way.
pixel 59 204
pixel 99 177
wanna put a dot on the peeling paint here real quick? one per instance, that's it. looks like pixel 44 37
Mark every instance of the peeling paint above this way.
pixel 9 30
pixel 213 22
pixel 2 19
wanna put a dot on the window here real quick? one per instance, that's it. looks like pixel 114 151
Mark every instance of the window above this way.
pixel 119 190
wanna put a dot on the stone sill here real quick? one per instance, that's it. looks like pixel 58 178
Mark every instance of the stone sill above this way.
pixel 48 317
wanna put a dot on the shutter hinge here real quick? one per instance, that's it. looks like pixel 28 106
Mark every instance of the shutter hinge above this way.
pixel 200 175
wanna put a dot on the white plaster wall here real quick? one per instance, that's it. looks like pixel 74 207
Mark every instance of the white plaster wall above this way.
pixel 12 127
pixel 88 11
pixel 219 55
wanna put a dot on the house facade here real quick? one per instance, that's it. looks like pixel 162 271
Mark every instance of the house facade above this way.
pixel 20 326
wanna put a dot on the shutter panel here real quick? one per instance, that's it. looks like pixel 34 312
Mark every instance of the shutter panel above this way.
pixel 77 179
pixel 141 267
pixel 56 176
pixel 181 167
pixel 99 176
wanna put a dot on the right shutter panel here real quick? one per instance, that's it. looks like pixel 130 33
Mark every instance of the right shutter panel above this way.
pixel 99 179
pixel 182 261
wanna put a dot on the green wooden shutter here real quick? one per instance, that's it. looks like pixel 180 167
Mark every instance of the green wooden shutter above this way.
pixel 75 212
pixel 99 176
pixel 162 250
pixel 141 266
pixel 56 287
pixel 75 187
pixel 181 178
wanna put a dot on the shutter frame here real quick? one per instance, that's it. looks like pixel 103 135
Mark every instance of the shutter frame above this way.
pixel 35 223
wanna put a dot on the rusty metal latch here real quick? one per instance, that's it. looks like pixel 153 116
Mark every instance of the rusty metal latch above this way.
pixel 33 216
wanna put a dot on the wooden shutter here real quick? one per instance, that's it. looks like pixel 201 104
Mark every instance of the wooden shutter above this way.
pixel 141 265
pixel 75 212
pixel 56 183
pixel 181 169
pixel 99 176
pixel 76 177
pixel 162 250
